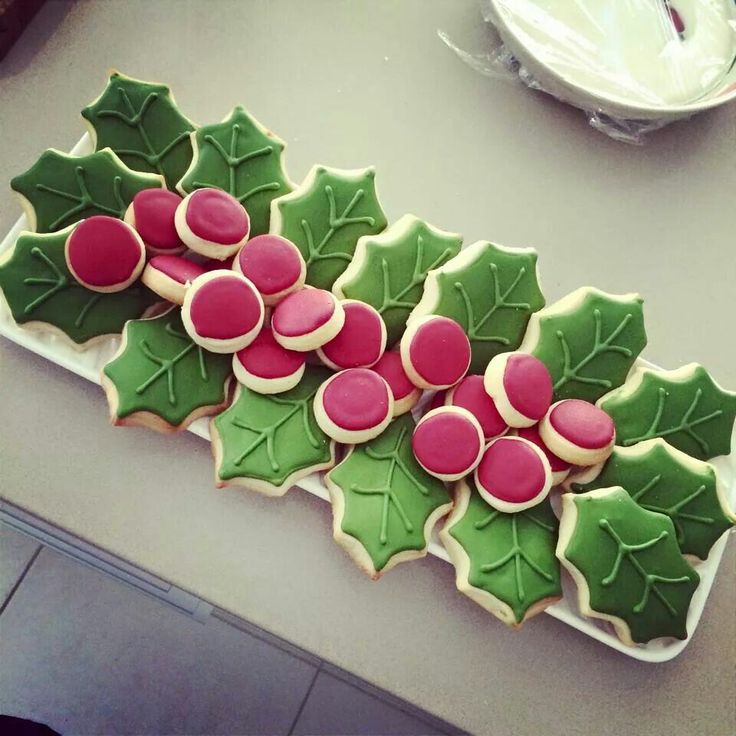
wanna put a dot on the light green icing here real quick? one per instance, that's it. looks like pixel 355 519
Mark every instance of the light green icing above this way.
pixel 163 372
pixel 388 496
pixel 240 157
pixel 39 287
pixel 512 556
pixel 632 565
pixel 141 123
pixel 64 189
pixel 271 437
pixel 326 216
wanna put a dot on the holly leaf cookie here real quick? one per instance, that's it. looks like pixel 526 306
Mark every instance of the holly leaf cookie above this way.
pixel 685 406
pixel 504 562
pixel 141 123
pixel 588 340
pixel 243 158
pixel 161 379
pixel 326 216
pixel 388 270
pixel 266 443
pixel 59 189
pixel 626 564
pixel 662 479
pixel 491 291
pixel 384 503
pixel 42 293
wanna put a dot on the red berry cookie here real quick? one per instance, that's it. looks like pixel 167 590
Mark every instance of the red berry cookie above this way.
pixel 471 394
pixel 307 319
pixel 405 393
pixel 267 368
pixel 361 340
pixel 170 276
pixel 152 213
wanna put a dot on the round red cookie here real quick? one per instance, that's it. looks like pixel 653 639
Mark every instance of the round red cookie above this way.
pixel 435 352
pixel 439 398
pixel 105 254
pixel 170 276
pixel 307 319
pixel 361 340
pixel 513 474
pixel 274 265
pixel 222 311
pixel 152 213
pixel 405 393
pixel 448 442
pixel 266 367
pixel 212 222
pixel 471 394
pixel 578 432
pixel 353 406
pixel 560 468
pixel 521 387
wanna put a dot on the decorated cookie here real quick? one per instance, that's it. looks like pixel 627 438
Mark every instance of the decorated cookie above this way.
pixel 578 432
pixel 504 562
pixel 560 468
pixel 388 270
pixel 520 386
pixel 141 123
pixel 222 311
pixel 59 189
pixel 588 340
pixel 435 352
pixel 152 213
pixel 384 504
pixel 273 264
pixel 685 406
pixel 170 276
pixel 160 379
pixel 354 406
pixel 267 443
pixel 360 342
pixel 267 368
pixel 439 398
pixel 471 394
pixel 325 216
pixel 491 291
pixel 244 159
pixel 448 442
pixel 626 564
pixel 405 393
pixel 104 254
pixel 307 319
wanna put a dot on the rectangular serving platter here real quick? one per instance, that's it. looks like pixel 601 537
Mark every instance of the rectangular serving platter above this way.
pixel 88 364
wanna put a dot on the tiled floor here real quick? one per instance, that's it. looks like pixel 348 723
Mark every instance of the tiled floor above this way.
pixel 89 655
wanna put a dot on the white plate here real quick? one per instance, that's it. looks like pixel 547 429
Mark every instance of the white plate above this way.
pixel 89 363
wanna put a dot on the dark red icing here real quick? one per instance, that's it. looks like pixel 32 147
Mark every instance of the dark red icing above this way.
pixel 446 443
pixel 303 312
pixel 224 308
pixel 471 394
pixel 271 262
pixel 215 264
pixel 531 434
pixel 511 471
pixel 440 351
pixel 153 210
pixel 528 385
pixel 356 399
pixel 360 340
pixel 391 369
pixel 436 401
pixel 265 358
pixel 217 217
pixel 177 268
pixel 103 251
pixel 583 424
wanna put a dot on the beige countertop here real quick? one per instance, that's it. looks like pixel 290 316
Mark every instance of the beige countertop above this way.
pixel 350 84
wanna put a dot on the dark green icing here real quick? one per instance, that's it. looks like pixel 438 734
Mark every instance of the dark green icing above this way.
pixel 64 189
pixel 632 565
pixel 692 413
pixel 326 216
pixel 388 496
pixel 142 124
pixel 512 556
pixel 240 157
pixel 163 372
pixel 661 479
pixel 392 273
pixel 269 438
pixel 591 349
pixel 39 287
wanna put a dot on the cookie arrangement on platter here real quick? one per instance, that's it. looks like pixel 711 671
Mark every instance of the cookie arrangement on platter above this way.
pixel 427 380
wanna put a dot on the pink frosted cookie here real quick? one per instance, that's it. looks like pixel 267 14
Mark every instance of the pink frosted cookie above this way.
pixel 471 394
pixel 266 367
pixel 222 311
pixel 170 276
pixel 435 352
pixel 307 319
pixel 405 393
pixel 151 213
pixel 353 406
pixel 560 468
pixel 105 254
pixel 361 340
pixel 212 222
pixel 513 474
pixel 448 442
pixel 578 432
pixel 439 398
pixel 274 265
